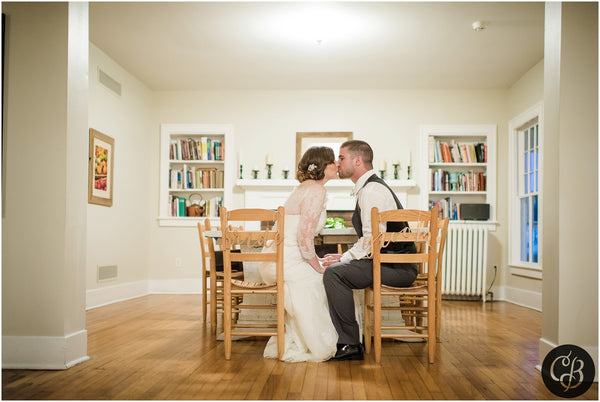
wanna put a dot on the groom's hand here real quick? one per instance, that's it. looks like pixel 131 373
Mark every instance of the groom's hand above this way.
pixel 329 259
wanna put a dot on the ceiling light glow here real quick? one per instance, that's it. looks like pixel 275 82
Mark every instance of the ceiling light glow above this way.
pixel 316 24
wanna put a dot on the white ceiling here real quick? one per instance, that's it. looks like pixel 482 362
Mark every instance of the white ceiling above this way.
pixel 365 45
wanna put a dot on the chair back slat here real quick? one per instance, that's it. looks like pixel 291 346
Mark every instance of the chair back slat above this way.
pixel 404 215
pixel 404 237
pixel 251 238
pixel 251 215
pixel 404 258
pixel 250 257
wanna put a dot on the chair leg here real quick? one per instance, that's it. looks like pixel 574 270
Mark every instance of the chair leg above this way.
pixel 367 320
pixel 236 310
pixel 438 317
pixel 227 324
pixel 213 302
pixel 431 331
pixel 377 325
pixel 204 296
pixel 280 325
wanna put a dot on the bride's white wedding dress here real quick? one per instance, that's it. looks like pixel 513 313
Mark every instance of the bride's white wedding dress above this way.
pixel 309 333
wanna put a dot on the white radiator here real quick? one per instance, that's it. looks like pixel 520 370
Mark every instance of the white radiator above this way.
pixel 465 259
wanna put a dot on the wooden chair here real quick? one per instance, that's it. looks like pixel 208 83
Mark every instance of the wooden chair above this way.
pixel 233 287
pixel 205 267
pixel 407 302
pixel 423 229
pixel 438 275
pixel 214 274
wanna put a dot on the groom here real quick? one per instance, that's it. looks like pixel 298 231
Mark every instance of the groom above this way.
pixel 353 270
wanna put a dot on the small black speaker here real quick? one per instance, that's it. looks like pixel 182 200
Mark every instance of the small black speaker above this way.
pixel 475 212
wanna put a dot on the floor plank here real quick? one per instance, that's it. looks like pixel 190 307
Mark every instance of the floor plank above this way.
pixel 157 347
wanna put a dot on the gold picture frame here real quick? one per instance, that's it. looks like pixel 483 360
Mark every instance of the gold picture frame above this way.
pixel 100 169
pixel 333 139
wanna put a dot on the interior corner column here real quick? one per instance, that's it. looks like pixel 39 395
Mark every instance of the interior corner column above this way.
pixel 45 185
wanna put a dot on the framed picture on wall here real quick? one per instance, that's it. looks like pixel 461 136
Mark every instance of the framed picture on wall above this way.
pixel 100 169
pixel 322 139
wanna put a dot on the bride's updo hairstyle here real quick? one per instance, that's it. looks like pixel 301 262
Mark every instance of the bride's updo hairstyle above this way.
pixel 313 163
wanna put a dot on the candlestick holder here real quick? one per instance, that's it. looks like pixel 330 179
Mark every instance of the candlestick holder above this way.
pixel 382 174
pixel 408 172
pixel 241 170
pixel 285 173
pixel 269 166
pixel 255 173
pixel 396 166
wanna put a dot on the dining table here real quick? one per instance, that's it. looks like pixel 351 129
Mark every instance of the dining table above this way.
pixel 344 237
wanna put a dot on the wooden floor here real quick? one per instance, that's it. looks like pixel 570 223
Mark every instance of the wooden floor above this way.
pixel 156 347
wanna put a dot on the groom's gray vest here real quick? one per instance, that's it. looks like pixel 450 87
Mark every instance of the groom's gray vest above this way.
pixel 394 247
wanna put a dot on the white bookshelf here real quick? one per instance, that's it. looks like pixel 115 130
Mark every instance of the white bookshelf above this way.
pixel 459 169
pixel 216 190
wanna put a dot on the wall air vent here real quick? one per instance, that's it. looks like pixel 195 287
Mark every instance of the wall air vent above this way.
pixel 107 273
pixel 109 82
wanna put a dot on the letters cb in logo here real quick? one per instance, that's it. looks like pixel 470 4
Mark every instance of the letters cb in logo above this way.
pixel 568 371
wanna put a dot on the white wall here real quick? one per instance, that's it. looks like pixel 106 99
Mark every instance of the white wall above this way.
pixel 119 235
pixel 267 121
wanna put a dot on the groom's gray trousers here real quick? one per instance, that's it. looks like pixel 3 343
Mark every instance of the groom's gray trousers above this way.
pixel 339 280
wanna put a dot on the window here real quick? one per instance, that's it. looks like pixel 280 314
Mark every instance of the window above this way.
pixel 528 193
pixel 525 154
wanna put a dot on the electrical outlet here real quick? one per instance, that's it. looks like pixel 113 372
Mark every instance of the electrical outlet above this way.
pixel 178 262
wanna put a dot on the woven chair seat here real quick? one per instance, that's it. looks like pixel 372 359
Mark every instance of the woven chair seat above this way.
pixel 411 289
pixel 252 285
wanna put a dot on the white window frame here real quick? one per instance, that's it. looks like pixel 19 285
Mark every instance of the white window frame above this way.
pixel 517 124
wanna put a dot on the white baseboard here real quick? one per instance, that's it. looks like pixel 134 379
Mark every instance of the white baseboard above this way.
pixel 130 290
pixel 115 293
pixel 544 347
pixel 525 298
pixel 183 286
pixel 44 352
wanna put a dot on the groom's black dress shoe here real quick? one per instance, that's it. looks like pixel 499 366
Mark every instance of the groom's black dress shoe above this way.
pixel 348 352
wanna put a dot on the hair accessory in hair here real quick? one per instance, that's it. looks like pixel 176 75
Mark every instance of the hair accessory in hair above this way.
pixel 312 167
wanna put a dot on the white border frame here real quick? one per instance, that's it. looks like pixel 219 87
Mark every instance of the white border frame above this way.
pixel 467 130
pixel 166 130
pixel 517 267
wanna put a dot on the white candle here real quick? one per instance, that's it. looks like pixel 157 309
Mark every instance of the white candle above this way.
pixel 382 165
pixel 255 168
pixel 239 156
pixel 397 162
pixel 269 159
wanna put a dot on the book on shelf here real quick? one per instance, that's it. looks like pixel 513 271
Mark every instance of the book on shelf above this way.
pixel 442 152
pixel 444 207
pixel 443 180
pixel 191 177
pixel 204 148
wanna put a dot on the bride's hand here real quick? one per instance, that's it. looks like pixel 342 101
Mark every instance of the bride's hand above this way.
pixel 329 259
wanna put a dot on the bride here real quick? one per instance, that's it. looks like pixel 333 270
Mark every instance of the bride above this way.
pixel 309 333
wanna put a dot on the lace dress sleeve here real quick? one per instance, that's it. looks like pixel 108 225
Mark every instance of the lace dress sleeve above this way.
pixel 311 207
